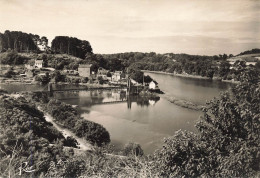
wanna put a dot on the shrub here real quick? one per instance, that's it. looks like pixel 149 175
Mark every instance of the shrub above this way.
pixel 68 117
pixel 93 132
pixel 133 149
pixel 71 142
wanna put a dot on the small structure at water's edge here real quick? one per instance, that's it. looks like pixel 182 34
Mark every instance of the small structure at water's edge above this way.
pixel 153 85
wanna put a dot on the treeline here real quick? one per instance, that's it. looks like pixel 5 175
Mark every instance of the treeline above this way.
pixel 172 63
pixel 252 51
pixel 24 42
pixel 205 66
pixel 70 45
pixel 21 42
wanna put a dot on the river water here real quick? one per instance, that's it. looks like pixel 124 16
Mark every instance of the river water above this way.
pixel 142 120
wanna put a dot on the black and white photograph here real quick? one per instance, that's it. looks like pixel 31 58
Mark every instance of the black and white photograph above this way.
pixel 129 88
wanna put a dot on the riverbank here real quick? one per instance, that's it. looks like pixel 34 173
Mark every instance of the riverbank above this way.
pixel 178 75
pixel 192 76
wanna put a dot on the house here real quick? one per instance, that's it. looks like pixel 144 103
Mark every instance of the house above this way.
pixel 38 64
pixel 133 82
pixel 84 70
pixel 118 75
pixel 153 85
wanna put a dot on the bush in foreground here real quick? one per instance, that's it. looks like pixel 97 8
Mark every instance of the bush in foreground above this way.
pixel 68 117
pixel 228 141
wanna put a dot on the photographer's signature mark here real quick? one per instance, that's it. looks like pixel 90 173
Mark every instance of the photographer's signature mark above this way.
pixel 25 168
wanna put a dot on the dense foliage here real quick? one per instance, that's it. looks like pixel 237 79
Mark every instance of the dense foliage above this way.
pixel 26 138
pixel 32 147
pixel 228 140
pixel 133 149
pixel 11 57
pixel 67 116
pixel 19 41
pixel 252 51
pixel 69 45
pixel 205 66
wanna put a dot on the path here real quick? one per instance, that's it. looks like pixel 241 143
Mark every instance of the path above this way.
pixel 83 144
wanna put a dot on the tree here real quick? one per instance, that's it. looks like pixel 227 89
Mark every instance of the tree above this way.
pixel 137 75
pixel 57 76
pixel 17 41
pixel 225 56
pixel 257 65
pixel 9 73
pixel 11 57
pixel 70 45
pixel 85 80
pixel 100 80
pixel 133 149
pixel 44 42
pixel 224 69
pixel 109 74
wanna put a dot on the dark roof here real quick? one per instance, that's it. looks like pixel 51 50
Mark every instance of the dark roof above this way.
pixel 155 82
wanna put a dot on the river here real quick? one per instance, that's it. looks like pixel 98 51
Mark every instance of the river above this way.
pixel 144 121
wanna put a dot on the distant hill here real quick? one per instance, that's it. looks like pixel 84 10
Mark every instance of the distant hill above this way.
pixel 247 56
pixel 252 51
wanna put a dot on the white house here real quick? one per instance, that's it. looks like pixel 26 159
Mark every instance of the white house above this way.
pixel 116 76
pixel 153 85
pixel 38 64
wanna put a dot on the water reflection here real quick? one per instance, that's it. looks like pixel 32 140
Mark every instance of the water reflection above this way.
pixel 99 97
pixel 142 101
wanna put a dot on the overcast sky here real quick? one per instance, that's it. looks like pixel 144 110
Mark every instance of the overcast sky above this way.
pixel 179 26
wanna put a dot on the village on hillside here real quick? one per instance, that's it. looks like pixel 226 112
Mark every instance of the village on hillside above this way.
pixel 37 73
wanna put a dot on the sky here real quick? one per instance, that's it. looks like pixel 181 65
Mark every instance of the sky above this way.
pixel 205 27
